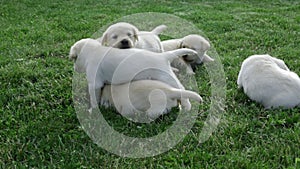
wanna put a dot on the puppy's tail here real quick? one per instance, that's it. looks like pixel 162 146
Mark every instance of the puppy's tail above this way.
pixel 157 30
pixel 185 94
pixel 173 54
pixel 76 48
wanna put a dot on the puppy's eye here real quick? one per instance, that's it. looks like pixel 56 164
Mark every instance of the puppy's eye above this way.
pixel 183 46
pixel 115 37
pixel 129 34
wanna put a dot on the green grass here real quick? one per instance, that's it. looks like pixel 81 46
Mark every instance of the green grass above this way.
pixel 38 123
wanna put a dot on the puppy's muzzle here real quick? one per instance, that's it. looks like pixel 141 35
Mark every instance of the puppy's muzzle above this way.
pixel 124 44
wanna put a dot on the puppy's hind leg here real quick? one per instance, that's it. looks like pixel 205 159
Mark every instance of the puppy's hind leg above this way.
pixel 186 104
pixel 170 56
pixel 174 82
pixel 181 94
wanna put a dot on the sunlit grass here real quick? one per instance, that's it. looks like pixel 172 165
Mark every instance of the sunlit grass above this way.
pixel 38 123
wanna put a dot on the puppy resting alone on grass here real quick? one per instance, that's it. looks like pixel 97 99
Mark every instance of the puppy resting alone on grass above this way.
pixel 142 101
pixel 195 42
pixel 123 35
pixel 106 65
pixel 268 80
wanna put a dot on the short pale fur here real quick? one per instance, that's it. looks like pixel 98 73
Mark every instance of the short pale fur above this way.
pixel 107 65
pixel 269 81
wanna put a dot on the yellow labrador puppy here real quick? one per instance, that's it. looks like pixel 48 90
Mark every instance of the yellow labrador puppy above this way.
pixel 144 100
pixel 107 65
pixel 269 81
pixel 195 42
pixel 125 35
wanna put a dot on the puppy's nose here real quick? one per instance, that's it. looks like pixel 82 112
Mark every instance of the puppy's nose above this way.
pixel 124 42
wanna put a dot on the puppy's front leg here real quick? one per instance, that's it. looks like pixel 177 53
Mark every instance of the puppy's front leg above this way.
pixel 95 84
pixel 93 100
pixel 95 93
pixel 98 94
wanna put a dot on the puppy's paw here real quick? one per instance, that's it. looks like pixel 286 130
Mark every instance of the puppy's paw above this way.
pixel 186 105
pixel 190 72
pixel 175 70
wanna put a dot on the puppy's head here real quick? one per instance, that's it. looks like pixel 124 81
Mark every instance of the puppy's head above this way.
pixel 120 35
pixel 199 44
pixel 81 46
pixel 75 49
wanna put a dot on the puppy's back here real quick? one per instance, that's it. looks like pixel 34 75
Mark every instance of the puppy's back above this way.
pixel 264 81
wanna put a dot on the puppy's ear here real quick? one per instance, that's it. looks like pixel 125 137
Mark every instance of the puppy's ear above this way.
pixel 136 37
pixel 73 52
pixel 72 56
pixel 104 41
pixel 135 33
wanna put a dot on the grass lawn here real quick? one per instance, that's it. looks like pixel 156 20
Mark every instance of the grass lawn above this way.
pixel 38 124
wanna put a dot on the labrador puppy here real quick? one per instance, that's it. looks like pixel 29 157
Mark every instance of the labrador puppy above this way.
pixel 195 42
pixel 124 35
pixel 269 81
pixel 107 65
pixel 144 100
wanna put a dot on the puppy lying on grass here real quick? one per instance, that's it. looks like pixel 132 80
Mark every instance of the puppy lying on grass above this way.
pixel 195 42
pixel 123 35
pixel 269 81
pixel 144 100
pixel 106 65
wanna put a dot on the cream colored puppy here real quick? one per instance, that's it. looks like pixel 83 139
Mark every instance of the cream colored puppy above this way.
pixel 124 35
pixel 195 42
pixel 268 80
pixel 107 65
pixel 144 100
